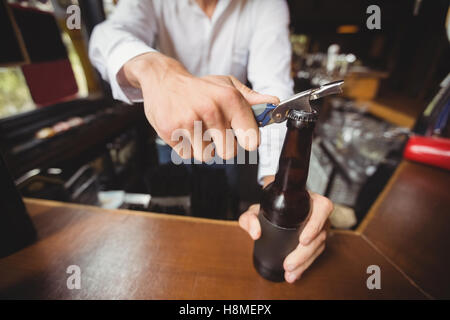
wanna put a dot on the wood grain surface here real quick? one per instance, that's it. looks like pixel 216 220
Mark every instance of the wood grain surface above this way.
pixel 133 255
pixel 410 224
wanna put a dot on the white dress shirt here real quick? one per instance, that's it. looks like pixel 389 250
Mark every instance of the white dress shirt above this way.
pixel 248 39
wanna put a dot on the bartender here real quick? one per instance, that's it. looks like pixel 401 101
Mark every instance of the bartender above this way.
pixel 187 61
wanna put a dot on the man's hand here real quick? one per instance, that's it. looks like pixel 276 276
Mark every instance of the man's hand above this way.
pixel 312 239
pixel 174 99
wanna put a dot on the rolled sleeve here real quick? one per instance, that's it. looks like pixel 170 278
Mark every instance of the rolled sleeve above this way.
pixel 117 58
pixel 128 33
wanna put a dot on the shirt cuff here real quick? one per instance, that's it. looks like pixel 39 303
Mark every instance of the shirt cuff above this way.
pixel 118 57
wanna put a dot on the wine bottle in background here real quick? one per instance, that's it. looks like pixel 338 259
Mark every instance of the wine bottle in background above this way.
pixel 285 203
pixel 16 228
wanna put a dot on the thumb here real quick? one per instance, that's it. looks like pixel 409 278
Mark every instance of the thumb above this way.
pixel 252 96
pixel 250 223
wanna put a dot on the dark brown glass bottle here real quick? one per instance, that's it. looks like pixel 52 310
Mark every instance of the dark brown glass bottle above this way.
pixel 285 203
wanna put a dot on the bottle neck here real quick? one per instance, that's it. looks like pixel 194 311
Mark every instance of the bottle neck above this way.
pixel 294 159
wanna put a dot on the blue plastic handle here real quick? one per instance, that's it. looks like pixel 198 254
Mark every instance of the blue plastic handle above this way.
pixel 263 113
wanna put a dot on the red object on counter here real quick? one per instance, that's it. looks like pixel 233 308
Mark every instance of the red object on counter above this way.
pixel 429 150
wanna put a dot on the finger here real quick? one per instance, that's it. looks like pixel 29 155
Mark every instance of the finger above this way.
pixel 297 273
pixel 177 135
pixel 321 209
pixel 302 253
pixel 198 145
pixel 240 116
pixel 209 151
pixel 231 144
pixel 182 146
pixel 237 115
pixel 249 222
pixel 244 125
pixel 195 130
pixel 252 96
pixel 217 131
pixel 255 228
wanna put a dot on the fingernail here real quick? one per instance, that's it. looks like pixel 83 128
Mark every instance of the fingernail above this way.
pixel 291 277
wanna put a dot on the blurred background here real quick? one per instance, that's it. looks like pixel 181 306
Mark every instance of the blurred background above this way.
pixel 64 138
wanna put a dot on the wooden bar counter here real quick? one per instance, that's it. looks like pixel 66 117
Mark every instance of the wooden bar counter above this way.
pixel 137 255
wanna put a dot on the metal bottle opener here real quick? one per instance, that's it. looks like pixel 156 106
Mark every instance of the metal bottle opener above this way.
pixel 266 114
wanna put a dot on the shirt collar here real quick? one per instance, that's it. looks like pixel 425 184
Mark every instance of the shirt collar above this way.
pixel 220 7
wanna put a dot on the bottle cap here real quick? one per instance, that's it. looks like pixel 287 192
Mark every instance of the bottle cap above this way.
pixel 302 115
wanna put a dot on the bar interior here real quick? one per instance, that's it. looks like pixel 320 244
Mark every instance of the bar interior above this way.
pixel 95 204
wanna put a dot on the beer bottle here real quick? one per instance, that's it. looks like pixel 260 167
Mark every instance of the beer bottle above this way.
pixel 285 203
